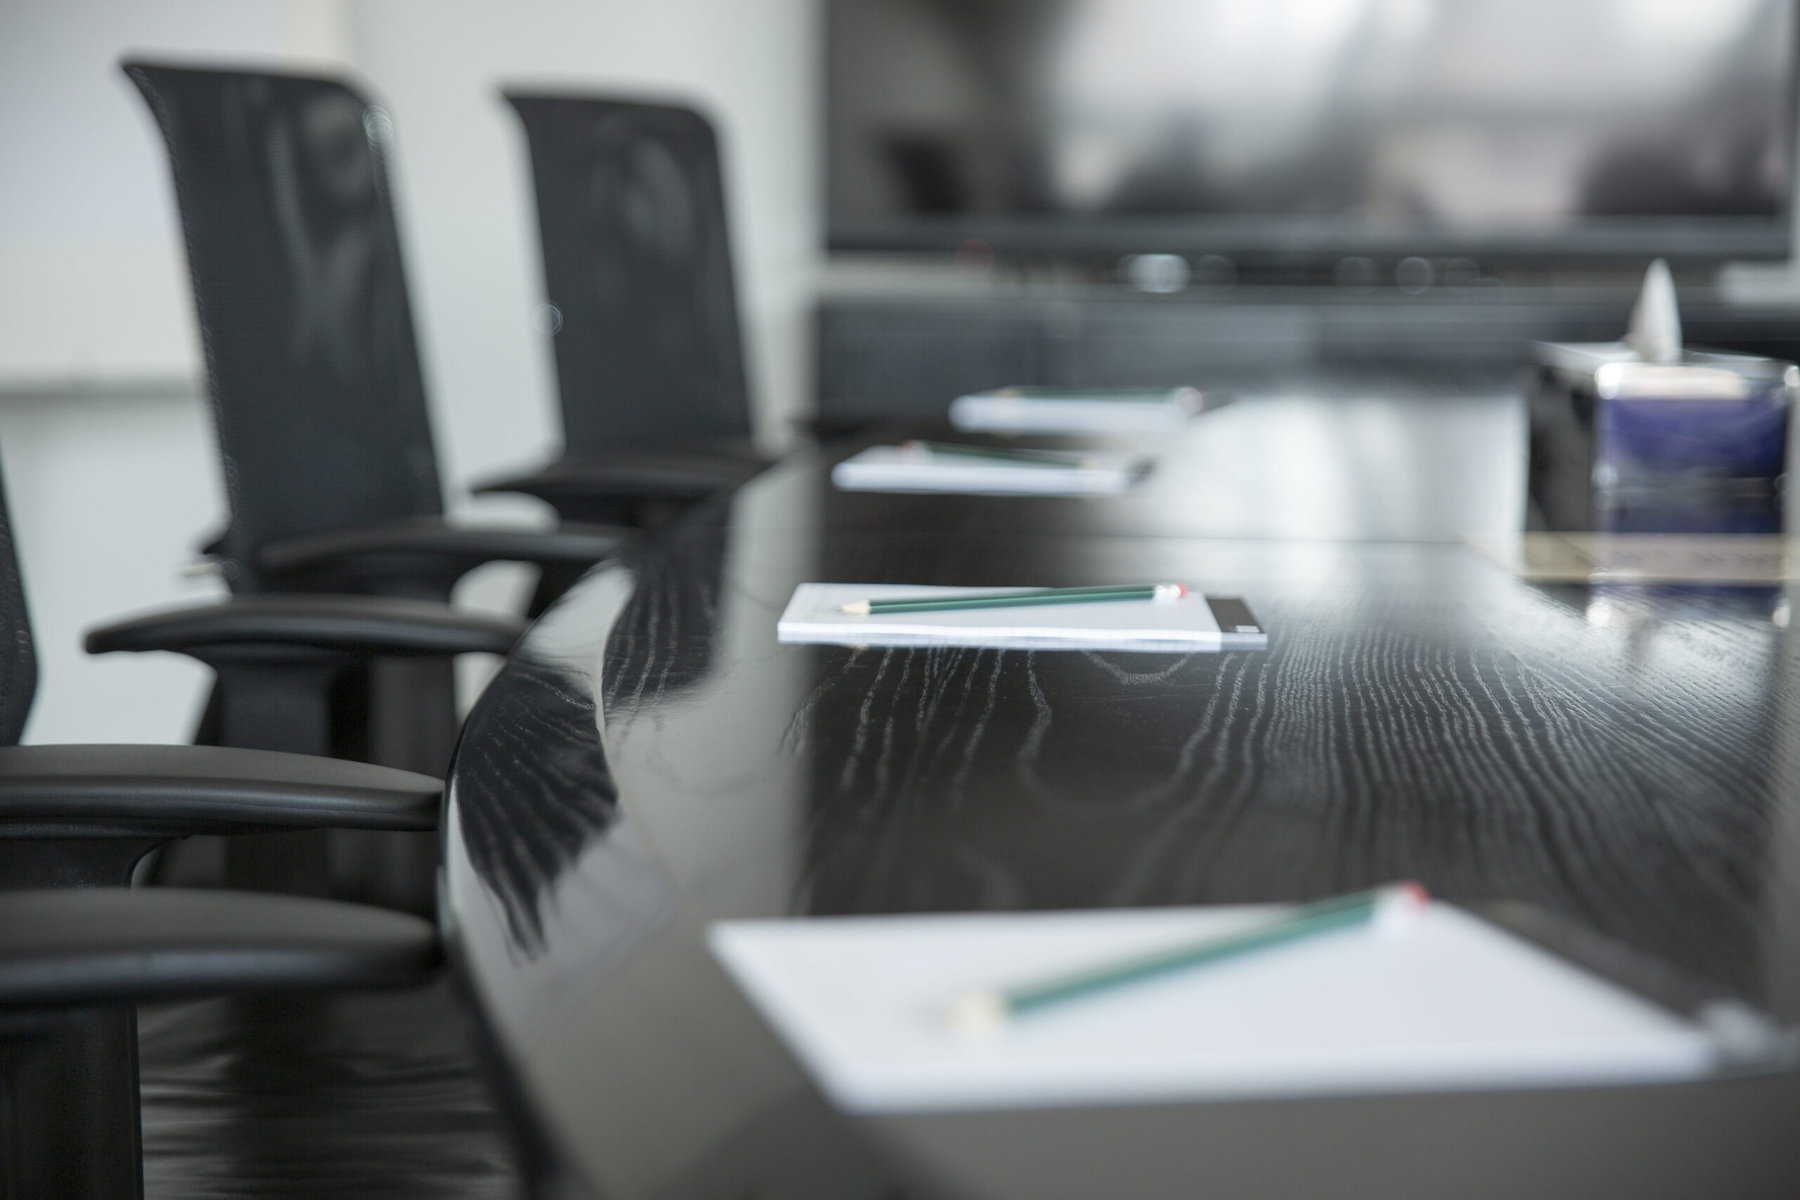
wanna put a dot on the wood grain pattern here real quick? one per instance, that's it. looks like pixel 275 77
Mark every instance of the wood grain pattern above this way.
pixel 1622 756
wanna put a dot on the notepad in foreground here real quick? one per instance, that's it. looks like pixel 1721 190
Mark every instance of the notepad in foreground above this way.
pixel 902 469
pixel 1194 623
pixel 1452 1003
pixel 1076 410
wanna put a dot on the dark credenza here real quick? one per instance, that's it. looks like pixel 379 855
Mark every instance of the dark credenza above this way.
pixel 892 353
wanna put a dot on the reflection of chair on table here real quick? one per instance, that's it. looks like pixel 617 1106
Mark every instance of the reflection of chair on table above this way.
pixel 522 824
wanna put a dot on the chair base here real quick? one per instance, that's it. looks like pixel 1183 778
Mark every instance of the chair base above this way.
pixel 69 1126
pixel 399 712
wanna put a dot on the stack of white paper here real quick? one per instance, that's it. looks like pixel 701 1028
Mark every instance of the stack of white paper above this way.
pixel 814 614
pixel 1069 410
pixel 910 469
pixel 1449 1002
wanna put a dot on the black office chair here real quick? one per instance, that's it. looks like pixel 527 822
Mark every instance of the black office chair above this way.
pixel 291 668
pixel 77 947
pixel 638 273
pixel 316 389
pixel 85 815
pixel 314 374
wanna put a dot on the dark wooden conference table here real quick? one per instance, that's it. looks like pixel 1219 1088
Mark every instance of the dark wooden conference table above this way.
pixel 650 760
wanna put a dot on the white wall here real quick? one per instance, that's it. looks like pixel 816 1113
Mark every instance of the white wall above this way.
pixel 92 284
pixel 108 455
pixel 109 494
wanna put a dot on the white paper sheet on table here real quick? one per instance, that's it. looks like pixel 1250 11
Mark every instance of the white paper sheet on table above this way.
pixel 1103 411
pixel 900 469
pixel 1176 626
pixel 1453 1002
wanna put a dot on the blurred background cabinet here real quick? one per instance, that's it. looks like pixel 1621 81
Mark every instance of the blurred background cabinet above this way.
pixel 907 354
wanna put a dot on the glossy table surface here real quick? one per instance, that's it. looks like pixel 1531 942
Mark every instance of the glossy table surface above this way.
pixel 651 760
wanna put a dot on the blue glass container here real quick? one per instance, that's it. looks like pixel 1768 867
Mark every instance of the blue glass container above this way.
pixel 1609 432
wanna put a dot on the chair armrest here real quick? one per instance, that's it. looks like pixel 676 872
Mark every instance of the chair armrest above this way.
pixel 429 547
pixel 256 625
pixel 646 474
pixel 71 946
pixel 184 790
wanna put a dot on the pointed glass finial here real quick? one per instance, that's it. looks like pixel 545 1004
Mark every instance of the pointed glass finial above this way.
pixel 1655 333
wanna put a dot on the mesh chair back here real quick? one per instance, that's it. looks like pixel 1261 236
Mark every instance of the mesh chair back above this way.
pixel 637 264
pixel 301 297
pixel 18 659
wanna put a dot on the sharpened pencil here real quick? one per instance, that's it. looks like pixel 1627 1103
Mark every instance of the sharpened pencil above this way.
pixel 1026 599
pixel 980 1011
pixel 1003 454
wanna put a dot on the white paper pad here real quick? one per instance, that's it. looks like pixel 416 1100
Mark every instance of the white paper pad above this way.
pixel 1452 1002
pixel 1011 410
pixel 1175 626
pixel 900 469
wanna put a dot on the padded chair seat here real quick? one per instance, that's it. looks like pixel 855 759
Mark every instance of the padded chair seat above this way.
pixel 675 473
pixel 348 624
pixel 209 789
pixel 462 547
pixel 123 945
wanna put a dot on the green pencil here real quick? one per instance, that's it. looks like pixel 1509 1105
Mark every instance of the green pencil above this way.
pixel 1038 596
pixel 1176 395
pixel 987 1010
pixel 1048 458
